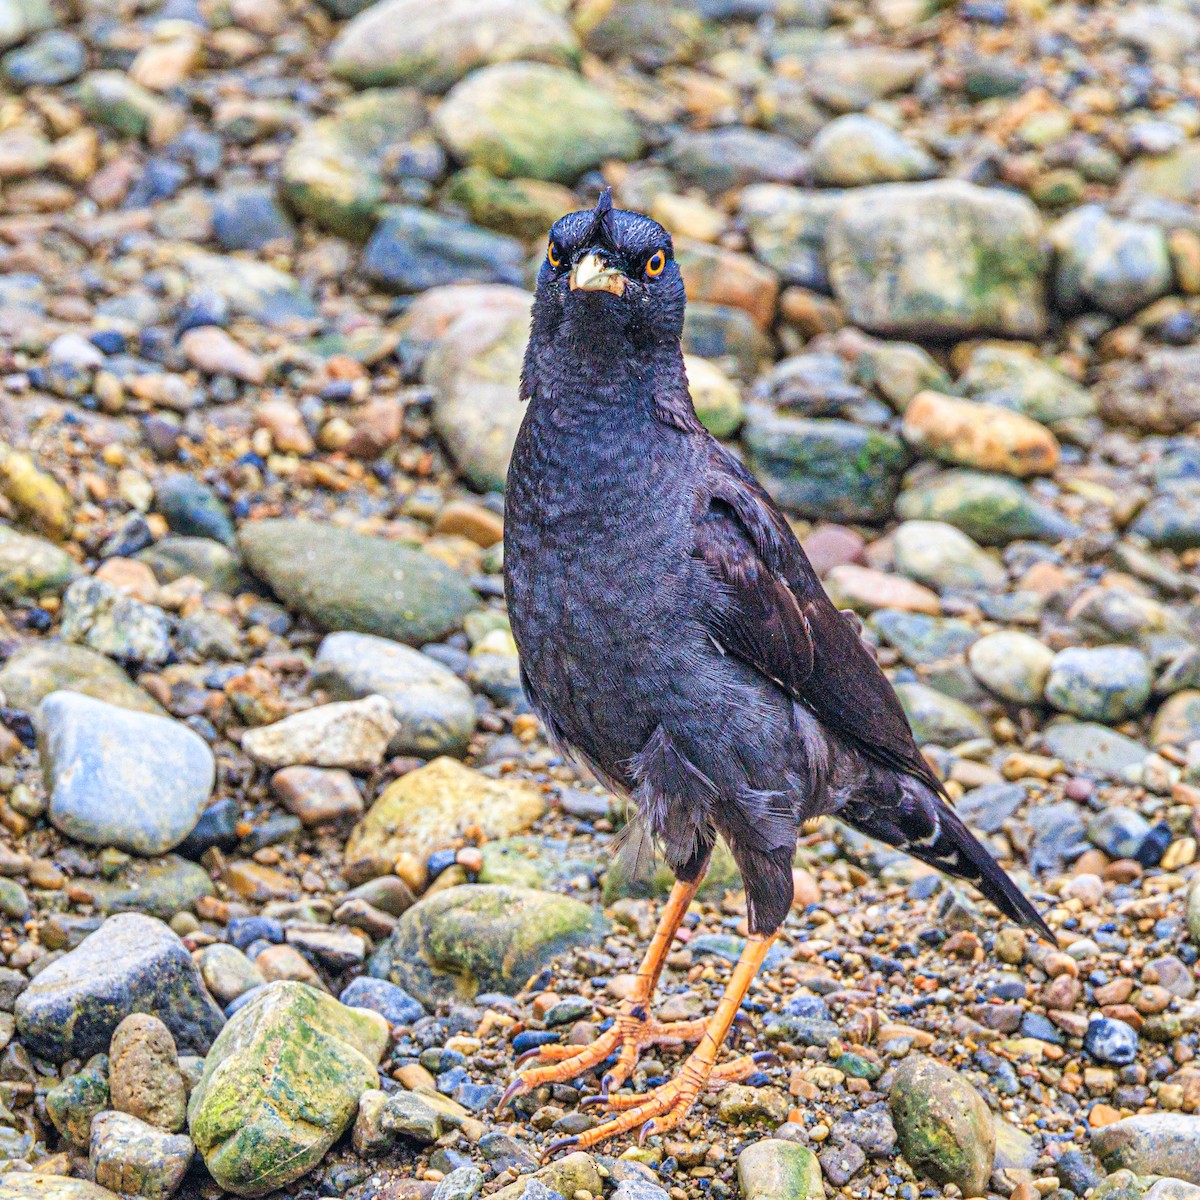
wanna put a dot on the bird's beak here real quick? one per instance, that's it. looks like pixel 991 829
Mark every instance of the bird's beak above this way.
pixel 592 274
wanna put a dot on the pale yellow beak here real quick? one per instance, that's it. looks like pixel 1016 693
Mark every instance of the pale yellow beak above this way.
pixel 592 274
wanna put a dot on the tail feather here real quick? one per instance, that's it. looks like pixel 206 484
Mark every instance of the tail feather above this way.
pixel 923 825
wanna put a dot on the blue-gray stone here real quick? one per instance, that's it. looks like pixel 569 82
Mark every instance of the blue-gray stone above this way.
pixel 1111 1041
pixel 1107 683
pixel 1094 749
pixel 391 1002
pixel 248 218
pixel 53 57
pixel 1118 831
pixel 193 509
pixel 121 778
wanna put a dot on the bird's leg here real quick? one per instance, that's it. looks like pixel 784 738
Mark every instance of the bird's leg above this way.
pixel 664 1107
pixel 632 1028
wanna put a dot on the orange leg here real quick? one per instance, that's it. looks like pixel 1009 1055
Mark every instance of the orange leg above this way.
pixel 632 1028
pixel 663 1108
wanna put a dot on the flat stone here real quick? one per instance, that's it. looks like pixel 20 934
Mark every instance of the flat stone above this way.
pixel 1014 377
pixel 431 808
pixel 463 940
pixel 281 1085
pixel 937 718
pixel 1152 1144
pixel 31 1185
pixel 1012 665
pixel 434 709
pixel 132 963
pixel 353 734
pixel 349 581
pixel 856 151
pixel 1093 748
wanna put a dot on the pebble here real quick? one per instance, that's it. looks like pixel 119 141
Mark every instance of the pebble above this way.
pixel 1108 683
pixel 143 1073
pixel 352 734
pixel 133 1158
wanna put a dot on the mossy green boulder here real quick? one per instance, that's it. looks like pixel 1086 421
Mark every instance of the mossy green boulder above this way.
pixel 32 566
pixel 350 581
pixel 774 1169
pixel 496 119
pixel 281 1084
pixel 945 1130
pixel 477 938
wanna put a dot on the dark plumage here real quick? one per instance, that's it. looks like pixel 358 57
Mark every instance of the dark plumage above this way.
pixel 672 632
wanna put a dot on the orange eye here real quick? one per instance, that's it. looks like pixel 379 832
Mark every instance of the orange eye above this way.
pixel 553 257
pixel 656 264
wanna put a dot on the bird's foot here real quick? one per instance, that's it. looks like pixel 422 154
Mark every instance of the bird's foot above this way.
pixel 664 1107
pixel 631 1032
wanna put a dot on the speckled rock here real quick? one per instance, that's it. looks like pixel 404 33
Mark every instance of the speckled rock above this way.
pixel 475 938
pixel 774 1169
pixel 1108 683
pixel 133 1158
pixel 31 1185
pixel 787 228
pixel 1012 665
pixel 1152 1144
pixel 939 259
pixel 132 963
pixel 32 567
pixel 1177 722
pixel 1093 748
pixel 946 1131
pixel 495 118
pixel 144 1075
pixel 1013 377
pixel 348 581
pixel 432 706
pixel 97 615
pixel 430 808
pixel 1160 393
pixel 261 1129
pixel 353 734
pixel 937 718
pixel 407 41
pixel 76 1100
pixel 942 557
pixel 121 778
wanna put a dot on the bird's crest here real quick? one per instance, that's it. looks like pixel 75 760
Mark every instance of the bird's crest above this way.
pixel 600 230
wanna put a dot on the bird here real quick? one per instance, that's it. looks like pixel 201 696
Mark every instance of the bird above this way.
pixel 675 640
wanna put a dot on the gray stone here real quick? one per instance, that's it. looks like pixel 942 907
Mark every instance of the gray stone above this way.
pixel 1118 831
pixel 944 558
pixel 1012 665
pixel 191 508
pixel 434 708
pixel 937 718
pixel 215 565
pixel 135 1159
pixel 939 259
pixel 855 151
pixel 121 778
pixel 20 18
pixel 787 228
pixel 1093 748
pixel 130 964
pixel 349 581
pixel 1108 683
pixel 1152 1144
pixel 104 618
pixel 720 159
pixel 31 567
pixel 1012 377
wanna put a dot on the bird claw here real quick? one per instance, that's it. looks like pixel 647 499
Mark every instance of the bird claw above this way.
pixel 645 1131
pixel 562 1144
pixel 511 1092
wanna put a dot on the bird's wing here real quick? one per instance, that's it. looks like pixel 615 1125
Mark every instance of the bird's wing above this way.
pixel 778 619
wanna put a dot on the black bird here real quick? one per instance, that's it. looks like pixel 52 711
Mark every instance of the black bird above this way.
pixel 675 638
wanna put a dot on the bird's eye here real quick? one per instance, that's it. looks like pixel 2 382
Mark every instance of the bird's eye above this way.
pixel 656 264
pixel 553 255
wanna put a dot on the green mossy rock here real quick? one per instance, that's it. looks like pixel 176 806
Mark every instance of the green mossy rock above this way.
pixel 281 1085
pixel 40 668
pixel 945 1130
pixel 774 1169
pixel 349 581
pixel 32 566
pixel 476 938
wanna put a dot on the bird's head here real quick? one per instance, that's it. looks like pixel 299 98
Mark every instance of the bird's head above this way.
pixel 609 279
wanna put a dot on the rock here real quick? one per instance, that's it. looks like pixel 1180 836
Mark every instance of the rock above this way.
pixel 21 18
pixel 474 938
pixel 495 118
pixel 73 1103
pixel 160 888
pixel 787 228
pixel 40 668
pixel 352 734
pixel 1111 1041
pixel 127 108
pixel 106 619
pixel 1091 748
pixel 968 434
pixel 404 41
pixel 939 259
pixel 942 557
pixel 317 796
pixel 937 718
pixel 349 581
pixel 921 638
pixel 1109 683
pixel 475 371
pixel 1013 377
pixel 854 151
pixel 774 1169
pixel 413 249
pixel 37 496
pixel 143 1073
pixel 1177 722
pixel 193 509
pixel 215 565
pixel 121 778
pixel 1012 665
pixel 1171 521
pixel 1116 266
pixel 714 275
pixel 252 289
pixel 521 208
pixel 1152 1144
pixel 249 218
pixel 29 1185
pixel 31 567
pixel 434 709
pixel 430 808
pixel 1159 394
pixel 214 352
pixel 991 509
pixel 825 469
pixel 719 160
pixel 228 973
pixel 130 964
pixel 946 1131
pixel 333 172
pixel 864 590
pixel 716 398
pixel 259 1129
pixel 392 1003
pixel 135 1159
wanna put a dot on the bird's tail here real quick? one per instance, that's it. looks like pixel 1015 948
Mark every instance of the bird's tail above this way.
pixel 925 826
